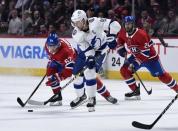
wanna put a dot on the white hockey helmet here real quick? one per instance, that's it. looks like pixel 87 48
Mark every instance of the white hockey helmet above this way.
pixel 78 15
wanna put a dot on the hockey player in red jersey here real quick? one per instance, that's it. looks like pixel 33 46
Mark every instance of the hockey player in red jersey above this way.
pixel 143 54
pixel 61 61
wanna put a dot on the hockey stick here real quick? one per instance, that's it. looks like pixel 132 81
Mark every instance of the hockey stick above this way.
pixel 146 126
pixel 150 91
pixel 33 102
pixel 22 104
pixel 162 40
pixel 171 46
pixel 164 43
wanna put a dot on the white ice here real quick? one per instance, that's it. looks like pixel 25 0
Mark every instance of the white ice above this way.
pixel 107 117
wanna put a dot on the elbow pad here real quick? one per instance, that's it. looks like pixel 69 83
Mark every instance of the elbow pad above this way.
pixel 55 65
pixel 111 40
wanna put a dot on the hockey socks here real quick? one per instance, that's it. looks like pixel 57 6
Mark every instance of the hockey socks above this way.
pixel 128 77
pixel 169 81
pixel 101 89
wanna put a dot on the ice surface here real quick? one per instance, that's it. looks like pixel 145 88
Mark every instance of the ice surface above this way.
pixel 107 117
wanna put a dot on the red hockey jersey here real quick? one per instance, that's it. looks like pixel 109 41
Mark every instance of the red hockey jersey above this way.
pixel 66 56
pixel 139 44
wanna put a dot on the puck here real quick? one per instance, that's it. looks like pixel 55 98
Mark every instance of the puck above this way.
pixel 30 110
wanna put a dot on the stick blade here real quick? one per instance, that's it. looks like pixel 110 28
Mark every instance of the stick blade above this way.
pixel 20 102
pixel 33 102
pixel 150 92
pixel 141 126
pixel 170 46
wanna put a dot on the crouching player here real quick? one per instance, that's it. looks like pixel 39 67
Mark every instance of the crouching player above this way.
pixel 60 66
pixel 143 54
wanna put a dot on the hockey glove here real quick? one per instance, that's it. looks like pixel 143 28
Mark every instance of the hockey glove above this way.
pixel 90 62
pixel 53 81
pixel 111 40
pixel 132 66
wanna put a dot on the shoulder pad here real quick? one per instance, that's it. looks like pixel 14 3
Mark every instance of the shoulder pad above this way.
pixel 78 35
pixel 95 26
pixel 140 31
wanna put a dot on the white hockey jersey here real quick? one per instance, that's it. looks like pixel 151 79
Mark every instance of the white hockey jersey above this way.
pixel 95 38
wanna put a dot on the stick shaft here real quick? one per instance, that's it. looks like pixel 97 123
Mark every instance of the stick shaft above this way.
pixel 33 91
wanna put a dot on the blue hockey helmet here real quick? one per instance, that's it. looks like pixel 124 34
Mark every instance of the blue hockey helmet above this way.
pixel 53 39
pixel 129 19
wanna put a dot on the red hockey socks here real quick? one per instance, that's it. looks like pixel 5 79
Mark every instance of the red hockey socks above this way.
pixel 56 90
pixel 128 77
pixel 169 81
pixel 101 89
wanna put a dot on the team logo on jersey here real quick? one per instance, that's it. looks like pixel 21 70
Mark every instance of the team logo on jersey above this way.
pixel 134 49
pixel 74 32
pixel 102 19
pixel 79 12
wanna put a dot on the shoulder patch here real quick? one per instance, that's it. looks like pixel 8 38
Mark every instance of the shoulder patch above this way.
pixel 103 19
pixel 74 32
pixel 91 20
pixel 79 12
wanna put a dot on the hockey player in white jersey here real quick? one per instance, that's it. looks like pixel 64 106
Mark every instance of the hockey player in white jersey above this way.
pixel 94 36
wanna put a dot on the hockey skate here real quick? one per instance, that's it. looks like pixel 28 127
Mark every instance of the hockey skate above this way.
pixel 134 95
pixel 91 104
pixel 111 99
pixel 57 101
pixel 78 101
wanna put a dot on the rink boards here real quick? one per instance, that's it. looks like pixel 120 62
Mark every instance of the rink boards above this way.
pixel 26 56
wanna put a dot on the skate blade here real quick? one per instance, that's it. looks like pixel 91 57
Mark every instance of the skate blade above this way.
pixel 79 104
pixel 133 98
pixel 91 109
pixel 113 102
pixel 55 104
